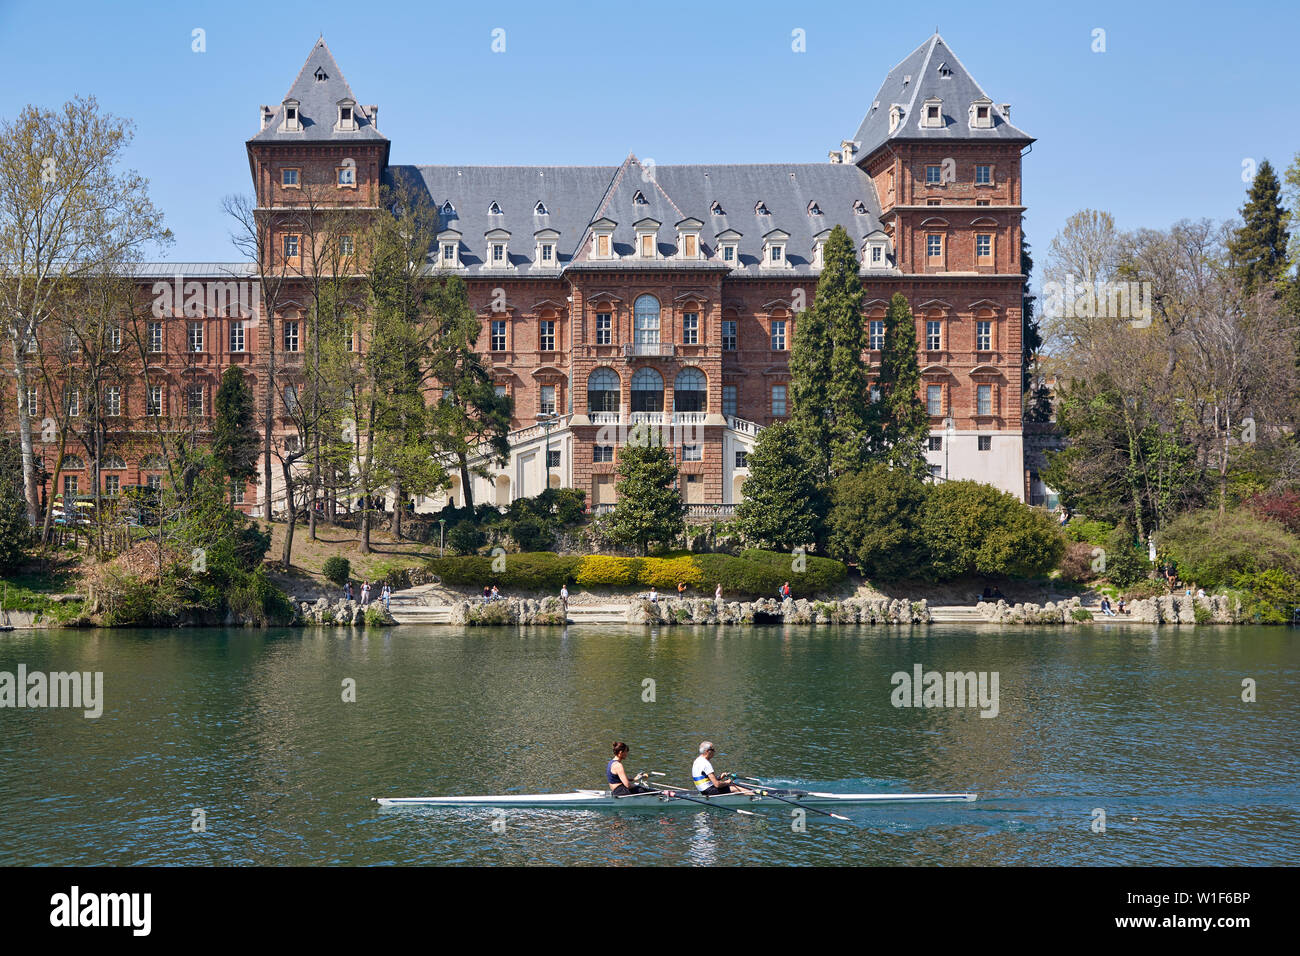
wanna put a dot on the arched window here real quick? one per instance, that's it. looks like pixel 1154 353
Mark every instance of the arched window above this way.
pixel 112 463
pixel 645 329
pixel 153 463
pixel 73 463
pixel 603 390
pixel 647 391
pixel 690 391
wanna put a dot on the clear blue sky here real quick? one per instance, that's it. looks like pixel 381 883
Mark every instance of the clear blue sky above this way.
pixel 1154 129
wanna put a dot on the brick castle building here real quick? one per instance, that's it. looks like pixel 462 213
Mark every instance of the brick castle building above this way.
pixel 639 295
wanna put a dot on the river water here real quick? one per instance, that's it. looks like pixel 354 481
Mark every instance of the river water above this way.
pixel 1146 725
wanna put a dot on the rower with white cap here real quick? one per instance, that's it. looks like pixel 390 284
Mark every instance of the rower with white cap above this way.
pixel 706 781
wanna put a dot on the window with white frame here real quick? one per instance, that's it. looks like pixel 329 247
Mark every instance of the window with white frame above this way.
pixel 604 328
pixel 291 399
pixel 778 335
pixel 692 453
pixel 115 338
pixel 934 246
pixel 546 405
pixel 876 334
pixel 289 177
pixel 933 175
pixel 498 335
pixel 778 400
pixel 346 245
pixel 291 247
pixel 645 320
pixel 347 175
pixel 70 486
pixel 983 175
pixel 113 401
pixel 983 246
pixel 934 400
pixel 498 253
pixel 934 443
pixel 72 401
pixel 546 335
pixel 983 336
pixel 875 393
pixel 154 406
pixel 112 485
pixel 449 253
pixel 932 335
pixel 601 453
pixel 33 400
pixel 291 335
pixel 155 336
pixel 984 400
pixel 691 328
pixel 742 458
pixel 194 401
pixel 237 335
pixel 194 339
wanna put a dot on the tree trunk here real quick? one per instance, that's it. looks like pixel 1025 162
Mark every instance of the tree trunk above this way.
pixel 396 526
pixel 466 492
pixel 25 430
pixel 286 556
pixel 365 526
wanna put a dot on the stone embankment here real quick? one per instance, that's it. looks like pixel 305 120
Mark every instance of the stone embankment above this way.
pixel 771 611
pixel 1215 609
pixel 342 612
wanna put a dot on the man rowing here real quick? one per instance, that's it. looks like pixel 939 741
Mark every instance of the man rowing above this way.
pixel 706 781
pixel 616 775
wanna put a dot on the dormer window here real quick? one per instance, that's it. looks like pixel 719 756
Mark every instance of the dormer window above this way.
pixel 859 207
pixel 688 239
pixel 498 253
pixel 945 69
pixel 716 209
pixel 814 209
pixel 981 114
pixel 540 209
pixel 321 75
pixel 449 249
pixel 448 210
pixel 874 254
pixel 494 209
pixel 292 120
pixel 774 249
pixel 639 199
pixel 932 113
pixel 647 237
pixel 895 117
pixel 819 248
pixel 728 243
pixel 544 255
pixel 347 116
pixel 760 209
pixel 602 239
pixel 647 245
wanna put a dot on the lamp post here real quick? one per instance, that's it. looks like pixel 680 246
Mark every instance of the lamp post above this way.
pixel 947 443
pixel 442 537
pixel 546 421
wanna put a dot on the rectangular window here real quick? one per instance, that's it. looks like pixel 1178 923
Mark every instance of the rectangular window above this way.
pixel 155 404
pixel 154 482
pixel 742 459
pixel 935 443
pixel 291 336
pixel 689 242
pixel 112 485
pixel 984 400
pixel 155 337
pixel 876 334
pixel 498 335
pixel 448 252
pixel 934 202
pixel 647 246
pixel 547 404
pixel 547 336
pixel 347 175
pixel 602 246
pixel 985 442
pixel 604 328
pixel 983 202
pixel 778 400
pixel 69 487
pixel 936 471
pixel 194 337
pixel 33 400
pixel 875 393
pixel 239 494
pixel 729 400
pixel 692 453
pixel 289 177
pixel 729 335
pixel 932 337
pixel 553 458
pixel 113 401
pixel 778 335
pixel 71 342
pixel 291 399
pixel 934 400
pixel 983 175
pixel 933 174
pixel 291 247
pixel 237 335
pixel 877 253
pixel 73 401
pixel 501 391
pixel 934 246
pixel 115 338
pixel 984 246
pixel 346 245
pixel 728 253
pixel 194 401
pixel 602 452
pixel 777 253
pixel 691 328
pixel 498 253
pixel 983 336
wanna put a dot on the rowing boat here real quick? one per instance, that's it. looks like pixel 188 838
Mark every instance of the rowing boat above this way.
pixel 604 800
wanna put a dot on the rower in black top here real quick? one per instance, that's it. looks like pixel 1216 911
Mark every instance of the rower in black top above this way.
pixel 616 776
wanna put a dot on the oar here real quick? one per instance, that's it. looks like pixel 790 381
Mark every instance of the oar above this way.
pixel 676 794
pixel 762 790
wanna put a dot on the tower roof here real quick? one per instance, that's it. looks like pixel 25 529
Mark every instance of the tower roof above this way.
pixel 931 71
pixel 318 89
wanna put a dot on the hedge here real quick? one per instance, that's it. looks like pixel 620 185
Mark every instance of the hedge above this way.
pixel 753 574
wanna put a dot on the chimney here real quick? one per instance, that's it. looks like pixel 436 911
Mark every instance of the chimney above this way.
pixel 267 113
pixel 373 112
pixel 1006 110
pixel 848 148
pixel 836 156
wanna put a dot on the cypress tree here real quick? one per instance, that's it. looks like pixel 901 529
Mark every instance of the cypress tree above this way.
pixel 784 505
pixel 904 420
pixel 648 507
pixel 235 442
pixel 1259 247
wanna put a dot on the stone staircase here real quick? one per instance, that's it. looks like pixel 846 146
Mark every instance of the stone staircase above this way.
pixel 955 614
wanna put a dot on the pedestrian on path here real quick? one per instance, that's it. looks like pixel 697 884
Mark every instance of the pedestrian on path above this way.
pixel 347 591
pixel 564 599
pixel 385 595
pixel 365 593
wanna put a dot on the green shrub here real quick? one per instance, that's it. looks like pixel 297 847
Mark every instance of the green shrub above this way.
pixel 535 571
pixel 806 573
pixel 376 616
pixel 602 570
pixel 495 612
pixel 1270 595
pixel 1126 559
pixel 972 528
pixel 874 522
pixel 337 570
pixel 665 573
pixel 1089 532
pixel 1081 614
pixel 259 601
pixel 530 534
pixel 465 537
pixel 1203 614
pixel 1211 551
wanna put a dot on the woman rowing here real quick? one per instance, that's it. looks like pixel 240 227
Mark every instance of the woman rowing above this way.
pixel 616 775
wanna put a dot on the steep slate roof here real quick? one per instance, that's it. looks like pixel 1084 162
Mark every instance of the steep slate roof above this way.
pixel 576 196
pixel 318 105
pixel 957 90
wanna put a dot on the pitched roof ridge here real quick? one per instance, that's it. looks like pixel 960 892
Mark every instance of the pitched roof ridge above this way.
pixel 916 86
pixel 601 206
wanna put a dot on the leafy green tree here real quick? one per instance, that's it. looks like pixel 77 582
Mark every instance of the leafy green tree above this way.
pixel 1210 549
pixel 905 424
pixel 973 528
pixel 15 531
pixel 784 505
pixel 235 442
pixel 1037 398
pixel 874 521
pixel 1259 247
pixel 648 508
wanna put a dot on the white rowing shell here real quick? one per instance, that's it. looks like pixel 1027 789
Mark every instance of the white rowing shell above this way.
pixel 597 799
